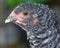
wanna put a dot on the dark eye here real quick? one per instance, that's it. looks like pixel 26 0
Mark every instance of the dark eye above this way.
pixel 25 13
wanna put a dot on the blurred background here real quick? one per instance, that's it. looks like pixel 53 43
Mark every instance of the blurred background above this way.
pixel 12 36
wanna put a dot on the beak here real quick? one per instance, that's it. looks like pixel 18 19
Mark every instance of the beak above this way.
pixel 9 19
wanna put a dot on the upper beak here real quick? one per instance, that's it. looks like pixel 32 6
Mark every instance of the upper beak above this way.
pixel 9 19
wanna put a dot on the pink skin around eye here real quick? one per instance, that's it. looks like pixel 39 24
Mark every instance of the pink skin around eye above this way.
pixel 19 17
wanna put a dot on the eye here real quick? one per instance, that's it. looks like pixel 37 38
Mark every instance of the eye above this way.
pixel 25 13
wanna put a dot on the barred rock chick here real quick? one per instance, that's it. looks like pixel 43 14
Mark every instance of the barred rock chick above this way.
pixel 39 22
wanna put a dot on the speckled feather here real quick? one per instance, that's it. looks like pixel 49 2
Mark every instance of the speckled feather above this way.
pixel 45 33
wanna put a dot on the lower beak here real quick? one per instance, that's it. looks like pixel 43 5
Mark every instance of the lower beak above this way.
pixel 9 19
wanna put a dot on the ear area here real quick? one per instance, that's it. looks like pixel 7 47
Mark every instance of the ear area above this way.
pixel 35 21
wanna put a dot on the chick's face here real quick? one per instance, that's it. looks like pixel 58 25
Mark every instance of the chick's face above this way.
pixel 23 14
pixel 22 17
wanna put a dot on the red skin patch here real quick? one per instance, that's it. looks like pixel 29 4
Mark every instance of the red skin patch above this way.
pixel 35 21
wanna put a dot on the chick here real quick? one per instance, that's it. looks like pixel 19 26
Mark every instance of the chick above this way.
pixel 39 22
